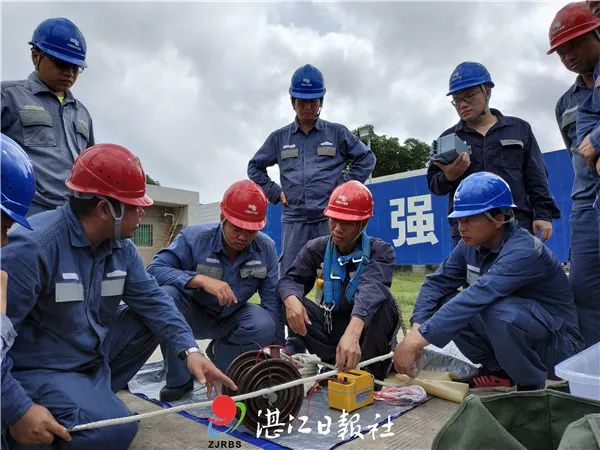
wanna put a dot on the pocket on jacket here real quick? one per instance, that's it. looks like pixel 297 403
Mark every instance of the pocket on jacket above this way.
pixel 210 271
pixel 512 153
pixel 38 128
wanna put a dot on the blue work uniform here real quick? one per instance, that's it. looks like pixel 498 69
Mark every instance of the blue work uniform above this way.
pixel 516 312
pixel 52 134
pixel 311 165
pixel 76 343
pixel 588 114
pixel 8 334
pixel 235 329
pixel 373 303
pixel 509 150
pixel 584 273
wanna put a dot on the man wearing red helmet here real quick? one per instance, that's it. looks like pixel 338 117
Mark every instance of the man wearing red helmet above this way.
pixel 574 36
pixel 41 113
pixel 76 343
pixel 211 271
pixel 355 316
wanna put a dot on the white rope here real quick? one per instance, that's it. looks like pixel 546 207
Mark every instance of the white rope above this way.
pixel 265 391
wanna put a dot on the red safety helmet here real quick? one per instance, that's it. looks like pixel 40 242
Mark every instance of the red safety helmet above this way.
pixel 110 170
pixel 244 205
pixel 570 22
pixel 350 201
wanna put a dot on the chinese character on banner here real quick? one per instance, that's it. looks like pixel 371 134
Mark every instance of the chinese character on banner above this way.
pixel 349 428
pixel 273 428
pixel 416 225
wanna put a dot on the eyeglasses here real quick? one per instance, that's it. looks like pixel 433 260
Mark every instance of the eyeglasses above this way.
pixel 64 65
pixel 466 99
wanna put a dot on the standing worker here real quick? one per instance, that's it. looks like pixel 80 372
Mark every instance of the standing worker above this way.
pixel 313 156
pixel 211 271
pixel 500 144
pixel 42 115
pixel 588 117
pixel 575 38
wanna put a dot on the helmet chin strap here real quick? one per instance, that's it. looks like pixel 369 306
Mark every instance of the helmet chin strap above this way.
pixel 493 219
pixel 223 234
pixel 360 231
pixel 118 219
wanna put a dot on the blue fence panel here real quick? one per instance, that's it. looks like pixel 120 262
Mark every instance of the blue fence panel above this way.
pixel 415 222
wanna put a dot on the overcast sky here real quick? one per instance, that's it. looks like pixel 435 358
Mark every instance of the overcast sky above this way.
pixel 195 88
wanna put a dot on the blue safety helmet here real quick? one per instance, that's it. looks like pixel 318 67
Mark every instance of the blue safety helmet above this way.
pixel 307 83
pixel 59 37
pixel 479 193
pixel 469 74
pixel 18 181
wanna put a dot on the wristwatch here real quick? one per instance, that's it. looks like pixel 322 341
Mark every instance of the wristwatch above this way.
pixel 185 353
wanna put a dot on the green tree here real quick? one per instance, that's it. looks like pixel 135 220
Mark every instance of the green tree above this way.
pixel 394 157
pixel 150 180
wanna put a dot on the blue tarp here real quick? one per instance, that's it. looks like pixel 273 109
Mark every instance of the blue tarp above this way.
pixel 413 220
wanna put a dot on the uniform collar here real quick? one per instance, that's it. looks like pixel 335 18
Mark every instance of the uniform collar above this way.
pixel 508 232
pixel 37 86
pixel 77 235
pixel 317 125
pixel 463 126
pixel 217 246
pixel 578 85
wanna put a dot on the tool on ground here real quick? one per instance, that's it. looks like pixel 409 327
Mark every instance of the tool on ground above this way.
pixel 254 370
pixel 241 397
pixel 350 390
pixel 438 384
pixel 447 148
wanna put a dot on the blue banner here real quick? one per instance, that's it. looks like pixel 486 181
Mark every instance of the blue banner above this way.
pixel 414 221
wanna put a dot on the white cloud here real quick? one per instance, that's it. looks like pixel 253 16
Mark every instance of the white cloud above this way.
pixel 195 88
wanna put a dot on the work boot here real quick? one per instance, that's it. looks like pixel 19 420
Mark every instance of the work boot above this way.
pixel 171 394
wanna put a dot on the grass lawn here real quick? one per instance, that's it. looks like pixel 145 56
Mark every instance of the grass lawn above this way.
pixel 405 288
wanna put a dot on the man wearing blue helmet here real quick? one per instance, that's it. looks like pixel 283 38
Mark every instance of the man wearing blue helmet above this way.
pixel 515 314
pixel 42 115
pixel 314 156
pixel 499 144
pixel 18 187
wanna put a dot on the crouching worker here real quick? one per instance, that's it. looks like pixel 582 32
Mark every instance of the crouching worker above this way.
pixel 211 271
pixel 76 343
pixel 354 317
pixel 515 315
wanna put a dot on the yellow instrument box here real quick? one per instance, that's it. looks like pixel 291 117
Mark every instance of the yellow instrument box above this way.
pixel 350 391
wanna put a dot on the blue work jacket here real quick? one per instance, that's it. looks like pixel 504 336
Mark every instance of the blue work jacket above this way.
pixel 586 177
pixel 520 266
pixel 63 294
pixel 51 133
pixel 310 166
pixel 588 114
pixel 374 283
pixel 198 249
pixel 509 150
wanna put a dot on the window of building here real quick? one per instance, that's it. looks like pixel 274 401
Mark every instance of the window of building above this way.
pixel 143 235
